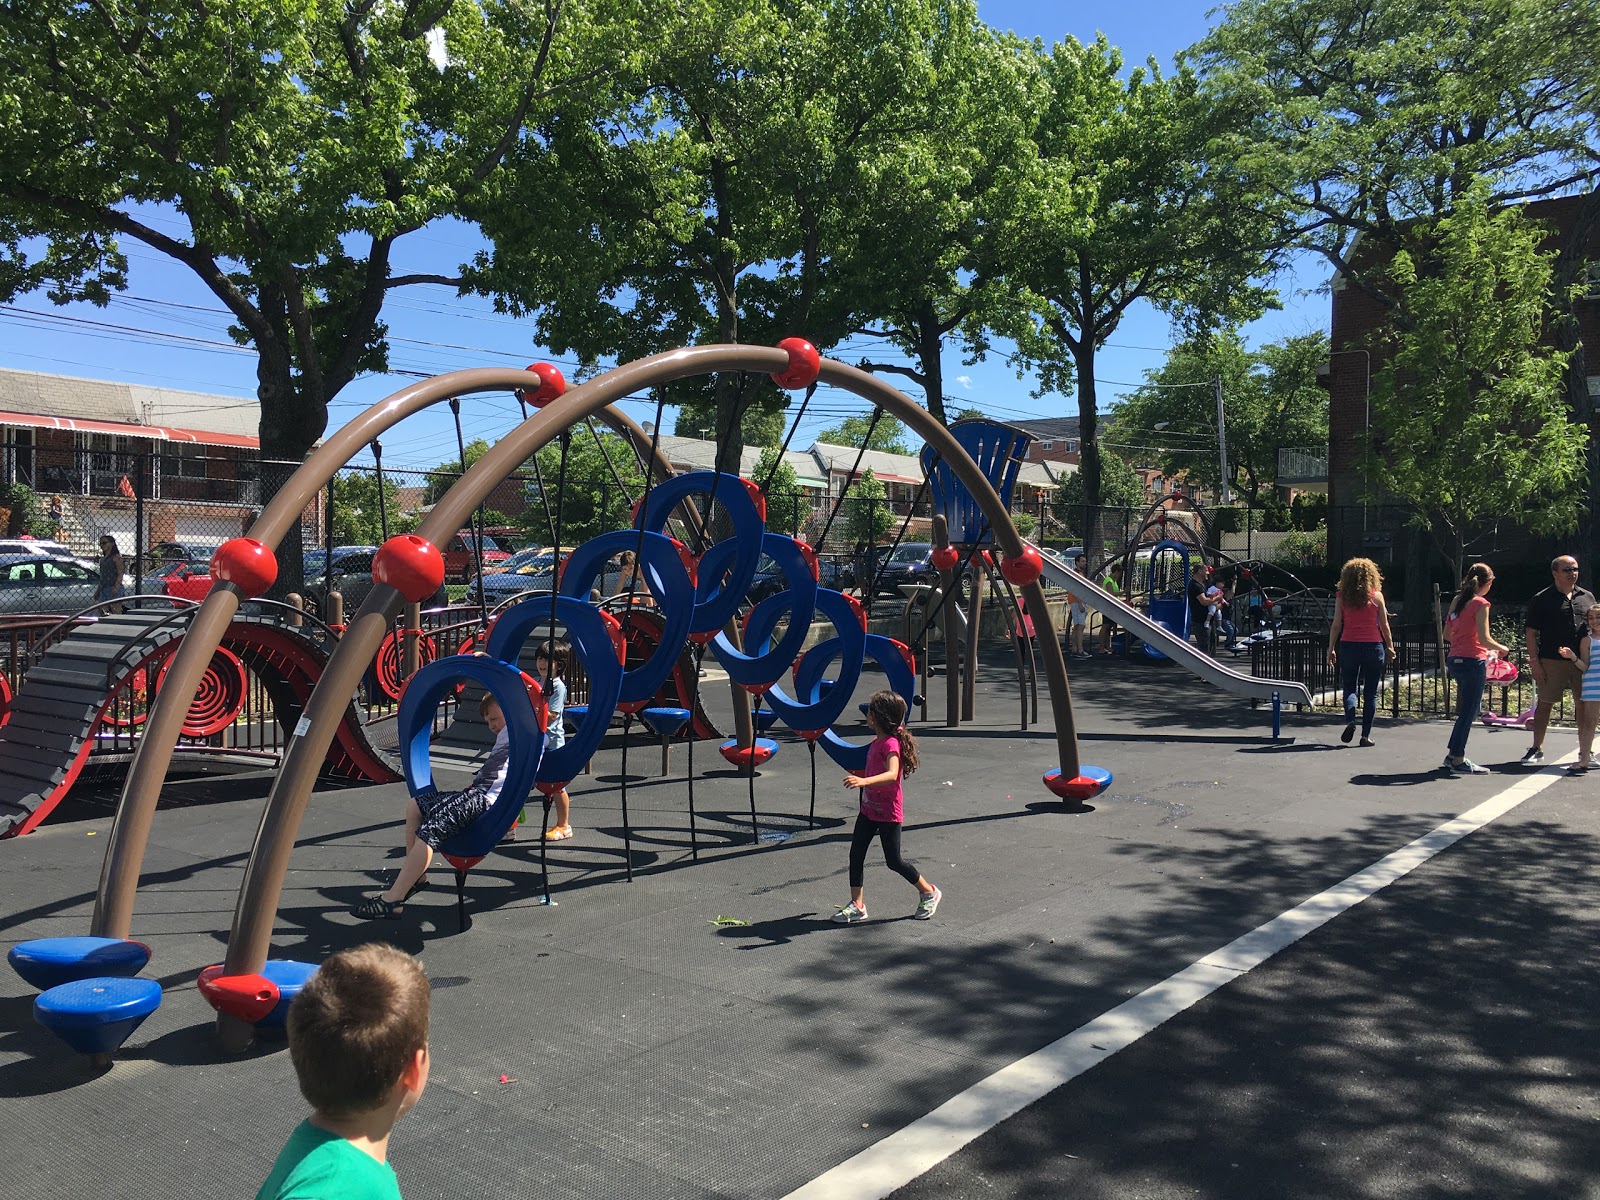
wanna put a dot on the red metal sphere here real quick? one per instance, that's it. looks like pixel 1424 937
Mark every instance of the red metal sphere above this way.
pixel 552 383
pixel 245 563
pixel 1246 572
pixel 1024 569
pixel 411 565
pixel 805 364
pixel 946 557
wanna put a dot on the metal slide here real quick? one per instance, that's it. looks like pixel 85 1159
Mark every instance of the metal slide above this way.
pixel 1235 683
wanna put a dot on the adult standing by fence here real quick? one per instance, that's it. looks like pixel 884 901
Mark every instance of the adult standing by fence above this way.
pixel 1467 627
pixel 1358 641
pixel 1557 617
pixel 111 568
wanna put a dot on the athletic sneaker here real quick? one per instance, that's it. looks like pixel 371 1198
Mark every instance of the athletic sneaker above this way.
pixel 1349 732
pixel 928 905
pixel 1467 767
pixel 850 914
pixel 1533 757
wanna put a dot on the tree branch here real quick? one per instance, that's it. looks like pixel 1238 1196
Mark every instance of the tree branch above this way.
pixel 395 281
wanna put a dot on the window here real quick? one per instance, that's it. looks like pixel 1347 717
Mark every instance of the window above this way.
pixel 19 456
pixel 1591 281
pixel 183 460
pixel 1072 446
pixel 64 571
pixel 1047 445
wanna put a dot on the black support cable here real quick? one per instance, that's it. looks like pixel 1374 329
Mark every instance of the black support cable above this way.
pixel 475 522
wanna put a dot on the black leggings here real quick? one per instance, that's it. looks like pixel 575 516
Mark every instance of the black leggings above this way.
pixel 888 832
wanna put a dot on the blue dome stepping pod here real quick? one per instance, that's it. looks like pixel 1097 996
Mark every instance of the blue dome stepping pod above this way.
pixel 576 713
pixel 49 962
pixel 666 724
pixel 290 976
pixel 95 1016
pixel 765 719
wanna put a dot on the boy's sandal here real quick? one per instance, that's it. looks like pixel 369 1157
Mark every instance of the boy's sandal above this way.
pixel 416 887
pixel 558 834
pixel 376 908
pixel 1579 768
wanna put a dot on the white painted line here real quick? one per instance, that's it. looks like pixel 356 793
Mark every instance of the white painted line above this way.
pixel 907 1153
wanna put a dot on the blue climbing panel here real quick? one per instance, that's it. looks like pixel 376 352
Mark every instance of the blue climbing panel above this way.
pixel 998 450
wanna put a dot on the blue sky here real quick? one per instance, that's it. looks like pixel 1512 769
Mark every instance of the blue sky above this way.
pixel 434 331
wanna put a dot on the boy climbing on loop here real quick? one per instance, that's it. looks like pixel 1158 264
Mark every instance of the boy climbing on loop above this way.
pixel 435 817
pixel 892 755
pixel 550 664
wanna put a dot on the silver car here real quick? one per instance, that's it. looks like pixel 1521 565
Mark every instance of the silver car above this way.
pixel 40 583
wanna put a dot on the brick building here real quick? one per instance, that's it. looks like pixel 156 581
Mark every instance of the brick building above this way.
pixel 91 447
pixel 1353 361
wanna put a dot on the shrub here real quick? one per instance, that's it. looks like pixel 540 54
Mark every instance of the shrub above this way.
pixel 1302 549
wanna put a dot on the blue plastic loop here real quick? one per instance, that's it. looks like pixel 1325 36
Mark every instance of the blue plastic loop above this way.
pixel 716 599
pixel 798 600
pixel 96 1015
pixel 49 962
pixel 591 643
pixel 420 701
pixel 669 584
pixel 886 653
pixel 810 707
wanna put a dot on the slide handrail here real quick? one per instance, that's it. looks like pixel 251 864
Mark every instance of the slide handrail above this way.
pixel 1190 658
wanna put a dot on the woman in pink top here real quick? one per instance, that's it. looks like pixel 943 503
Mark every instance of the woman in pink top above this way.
pixel 1470 642
pixel 892 755
pixel 1358 642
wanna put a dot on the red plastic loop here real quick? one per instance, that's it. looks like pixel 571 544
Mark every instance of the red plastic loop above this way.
pixel 757 496
pixel 805 364
pixel 690 560
pixel 861 613
pixel 810 557
pixel 614 630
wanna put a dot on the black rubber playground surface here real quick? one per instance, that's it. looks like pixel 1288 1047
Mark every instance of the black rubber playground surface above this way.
pixel 1437 1040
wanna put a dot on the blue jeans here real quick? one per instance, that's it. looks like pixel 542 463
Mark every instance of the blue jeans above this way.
pixel 1470 674
pixel 1363 662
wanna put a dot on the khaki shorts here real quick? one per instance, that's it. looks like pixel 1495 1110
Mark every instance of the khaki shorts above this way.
pixel 1560 677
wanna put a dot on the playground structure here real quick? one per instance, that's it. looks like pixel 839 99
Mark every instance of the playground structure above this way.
pixel 408 568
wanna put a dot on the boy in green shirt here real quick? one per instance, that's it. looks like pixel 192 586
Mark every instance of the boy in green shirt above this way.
pixel 358 1036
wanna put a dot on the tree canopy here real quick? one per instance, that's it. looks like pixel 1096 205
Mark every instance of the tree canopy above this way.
pixel 1120 484
pixel 1127 203
pixel 887 434
pixel 1468 419
pixel 279 149
pixel 867 517
pixel 443 477
pixel 1272 400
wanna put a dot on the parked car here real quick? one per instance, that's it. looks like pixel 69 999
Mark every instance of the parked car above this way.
pixel 910 563
pixel 42 583
pixel 32 546
pixel 531 571
pixel 460 561
pixel 350 575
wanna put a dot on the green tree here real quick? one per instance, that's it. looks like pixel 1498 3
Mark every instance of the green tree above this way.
pixel 1127 205
pixel 443 477
pixel 1271 400
pixel 358 515
pixel 1469 423
pixel 786 505
pixel 762 423
pixel 25 512
pixel 969 414
pixel 586 498
pixel 708 203
pixel 1372 116
pixel 888 435
pixel 867 517
pixel 926 244
pixel 1120 487
pixel 278 149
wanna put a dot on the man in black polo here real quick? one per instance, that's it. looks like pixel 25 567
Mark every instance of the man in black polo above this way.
pixel 1556 618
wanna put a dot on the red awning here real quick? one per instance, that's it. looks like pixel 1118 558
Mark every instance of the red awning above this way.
pixel 159 433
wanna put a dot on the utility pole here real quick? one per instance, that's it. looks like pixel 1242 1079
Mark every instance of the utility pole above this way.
pixel 1222 444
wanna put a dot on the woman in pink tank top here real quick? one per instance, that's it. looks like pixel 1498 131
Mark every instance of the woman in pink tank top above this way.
pixel 1359 641
pixel 1470 642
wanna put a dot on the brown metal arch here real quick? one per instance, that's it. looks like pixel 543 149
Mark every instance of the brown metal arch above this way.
pixel 130 830
pixel 259 893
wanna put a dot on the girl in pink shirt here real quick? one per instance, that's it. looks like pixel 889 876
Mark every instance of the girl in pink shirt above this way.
pixel 1467 628
pixel 892 755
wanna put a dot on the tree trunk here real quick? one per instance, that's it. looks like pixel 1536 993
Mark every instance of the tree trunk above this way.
pixel 1419 552
pixel 930 351
pixel 1088 446
pixel 1568 335
pixel 290 425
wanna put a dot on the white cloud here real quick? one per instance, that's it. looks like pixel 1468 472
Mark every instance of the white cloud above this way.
pixel 965 381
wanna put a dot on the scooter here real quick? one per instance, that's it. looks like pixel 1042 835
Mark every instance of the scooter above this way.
pixel 1503 672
